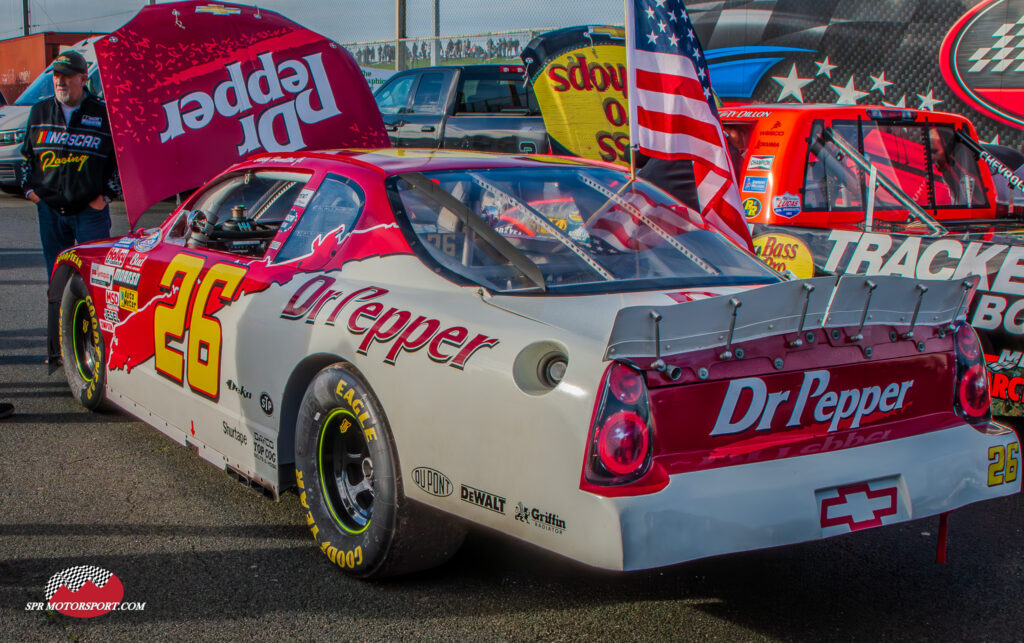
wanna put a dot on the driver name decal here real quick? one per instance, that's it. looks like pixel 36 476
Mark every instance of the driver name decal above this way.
pixel 400 330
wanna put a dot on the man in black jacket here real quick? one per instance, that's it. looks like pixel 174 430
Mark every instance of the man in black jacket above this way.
pixel 70 171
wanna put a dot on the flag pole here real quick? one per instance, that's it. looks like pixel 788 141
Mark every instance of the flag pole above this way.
pixel 629 91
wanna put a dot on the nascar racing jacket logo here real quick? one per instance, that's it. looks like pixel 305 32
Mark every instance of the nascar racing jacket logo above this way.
pixel 748 404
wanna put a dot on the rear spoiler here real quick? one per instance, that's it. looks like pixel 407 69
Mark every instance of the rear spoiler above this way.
pixel 790 307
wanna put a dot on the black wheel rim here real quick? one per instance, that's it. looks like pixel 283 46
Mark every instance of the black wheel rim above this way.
pixel 83 333
pixel 346 471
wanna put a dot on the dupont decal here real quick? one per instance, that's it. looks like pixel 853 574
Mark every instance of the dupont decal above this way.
pixel 749 405
pixel 755 184
pixel 432 481
pixel 859 506
pixel 101 275
pixel 785 252
pixel 484 499
pixel 760 162
pixel 538 518
pixel 981 59
pixel 786 205
pixel 751 207
pixel 399 331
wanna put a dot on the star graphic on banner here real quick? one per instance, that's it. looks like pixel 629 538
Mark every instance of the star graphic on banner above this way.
pixel 825 68
pixel 848 95
pixel 792 85
pixel 653 37
pixel 662 25
pixel 650 12
pixel 672 16
pixel 691 35
pixel 928 101
pixel 879 83
pixel 901 103
pixel 674 39
pixel 661 3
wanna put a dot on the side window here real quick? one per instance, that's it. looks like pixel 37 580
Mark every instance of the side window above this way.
pixel 332 210
pixel 493 94
pixel 94 85
pixel 393 97
pixel 428 93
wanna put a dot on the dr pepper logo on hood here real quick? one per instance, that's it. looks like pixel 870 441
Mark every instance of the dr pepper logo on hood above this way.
pixel 982 59
pixel 190 91
pixel 85 591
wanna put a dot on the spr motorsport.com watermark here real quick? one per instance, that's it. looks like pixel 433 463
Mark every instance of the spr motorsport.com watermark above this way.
pixel 85 591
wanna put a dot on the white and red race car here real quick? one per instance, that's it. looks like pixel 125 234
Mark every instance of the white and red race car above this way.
pixel 419 341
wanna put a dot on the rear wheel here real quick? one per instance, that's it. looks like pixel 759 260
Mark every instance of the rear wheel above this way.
pixel 81 345
pixel 350 484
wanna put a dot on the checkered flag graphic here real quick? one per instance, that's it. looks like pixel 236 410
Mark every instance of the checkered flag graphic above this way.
pixel 74 577
pixel 1005 51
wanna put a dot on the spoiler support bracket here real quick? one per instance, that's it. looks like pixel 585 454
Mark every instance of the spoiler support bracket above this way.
pixel 735 303
pixel 796 343
pixel 867 306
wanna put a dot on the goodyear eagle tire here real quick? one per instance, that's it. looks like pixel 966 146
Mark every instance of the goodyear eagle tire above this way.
pixel 81 345
pixel 350 485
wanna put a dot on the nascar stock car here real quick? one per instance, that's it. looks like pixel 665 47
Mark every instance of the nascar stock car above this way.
pixel 420 341
pixel 931 211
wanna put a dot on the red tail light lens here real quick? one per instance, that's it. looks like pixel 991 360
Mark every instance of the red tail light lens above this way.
pixel 623 443
pixel 620 437
pixel 971 397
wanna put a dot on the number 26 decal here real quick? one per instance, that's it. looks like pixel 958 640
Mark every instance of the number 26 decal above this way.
pixel 183 311
pixel 1003 463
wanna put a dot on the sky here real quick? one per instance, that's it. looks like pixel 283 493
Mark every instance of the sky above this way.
pixel 345 21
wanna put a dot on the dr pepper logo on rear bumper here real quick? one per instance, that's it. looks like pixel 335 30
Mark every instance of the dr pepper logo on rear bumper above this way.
pixel 981 59
pixel 85 591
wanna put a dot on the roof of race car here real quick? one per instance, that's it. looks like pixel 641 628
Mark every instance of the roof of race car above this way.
pixel 396 161
pixel 831 110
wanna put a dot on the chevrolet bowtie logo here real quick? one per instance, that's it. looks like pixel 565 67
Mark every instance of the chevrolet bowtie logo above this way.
pixel 858 507
pixel 218 9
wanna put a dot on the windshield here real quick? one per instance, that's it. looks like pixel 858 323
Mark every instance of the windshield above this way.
pixel 563 229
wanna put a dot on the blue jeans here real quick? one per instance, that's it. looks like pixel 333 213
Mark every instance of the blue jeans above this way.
pixel 58 233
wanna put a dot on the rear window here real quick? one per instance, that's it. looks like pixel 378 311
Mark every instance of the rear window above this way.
pixel 485 93
pixel 570 229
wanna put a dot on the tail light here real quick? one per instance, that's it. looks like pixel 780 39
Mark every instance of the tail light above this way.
pixel 970 395
pixel 621 443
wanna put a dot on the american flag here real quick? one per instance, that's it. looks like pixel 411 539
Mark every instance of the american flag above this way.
pixel 672 108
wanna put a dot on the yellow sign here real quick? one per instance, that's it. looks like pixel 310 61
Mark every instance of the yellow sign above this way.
pixel 129 299
pixel 582 95
pixel 785 252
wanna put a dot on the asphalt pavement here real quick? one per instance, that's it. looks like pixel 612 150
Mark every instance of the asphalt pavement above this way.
pixel 213 560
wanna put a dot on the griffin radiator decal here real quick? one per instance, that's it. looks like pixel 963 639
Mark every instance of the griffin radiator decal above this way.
pixel 400 330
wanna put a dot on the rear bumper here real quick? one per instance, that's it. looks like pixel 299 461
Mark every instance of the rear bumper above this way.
pixel 767 504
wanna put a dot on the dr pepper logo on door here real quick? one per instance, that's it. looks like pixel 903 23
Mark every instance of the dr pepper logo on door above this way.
pixel 982 59
pixel 85 591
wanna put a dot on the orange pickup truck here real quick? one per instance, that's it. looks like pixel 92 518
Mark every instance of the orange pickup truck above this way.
pixel 887 191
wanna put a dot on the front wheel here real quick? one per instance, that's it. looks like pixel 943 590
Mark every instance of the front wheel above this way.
pixel 350 484
pixel 81 345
